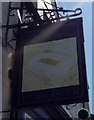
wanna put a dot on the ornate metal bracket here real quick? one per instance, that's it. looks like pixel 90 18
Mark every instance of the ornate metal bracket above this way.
pixel 29 17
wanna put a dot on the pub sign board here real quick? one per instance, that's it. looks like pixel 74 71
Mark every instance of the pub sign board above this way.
pixel 49 66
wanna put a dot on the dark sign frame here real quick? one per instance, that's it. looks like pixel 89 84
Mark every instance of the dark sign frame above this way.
pixel 54 96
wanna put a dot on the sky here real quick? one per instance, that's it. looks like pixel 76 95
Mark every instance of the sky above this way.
pixel 87 26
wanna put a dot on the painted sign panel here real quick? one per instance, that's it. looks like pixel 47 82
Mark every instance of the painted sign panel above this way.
pixel 49 66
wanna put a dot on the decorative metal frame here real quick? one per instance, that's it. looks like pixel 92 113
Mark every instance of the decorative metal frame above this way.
pixel 36 19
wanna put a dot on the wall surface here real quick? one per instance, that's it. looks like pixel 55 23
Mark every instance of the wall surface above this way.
pixel 6 57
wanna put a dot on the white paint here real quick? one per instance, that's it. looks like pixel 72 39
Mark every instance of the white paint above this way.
pixel 18 12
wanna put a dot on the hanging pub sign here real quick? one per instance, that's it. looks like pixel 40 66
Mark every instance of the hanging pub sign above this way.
pixel 49 66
